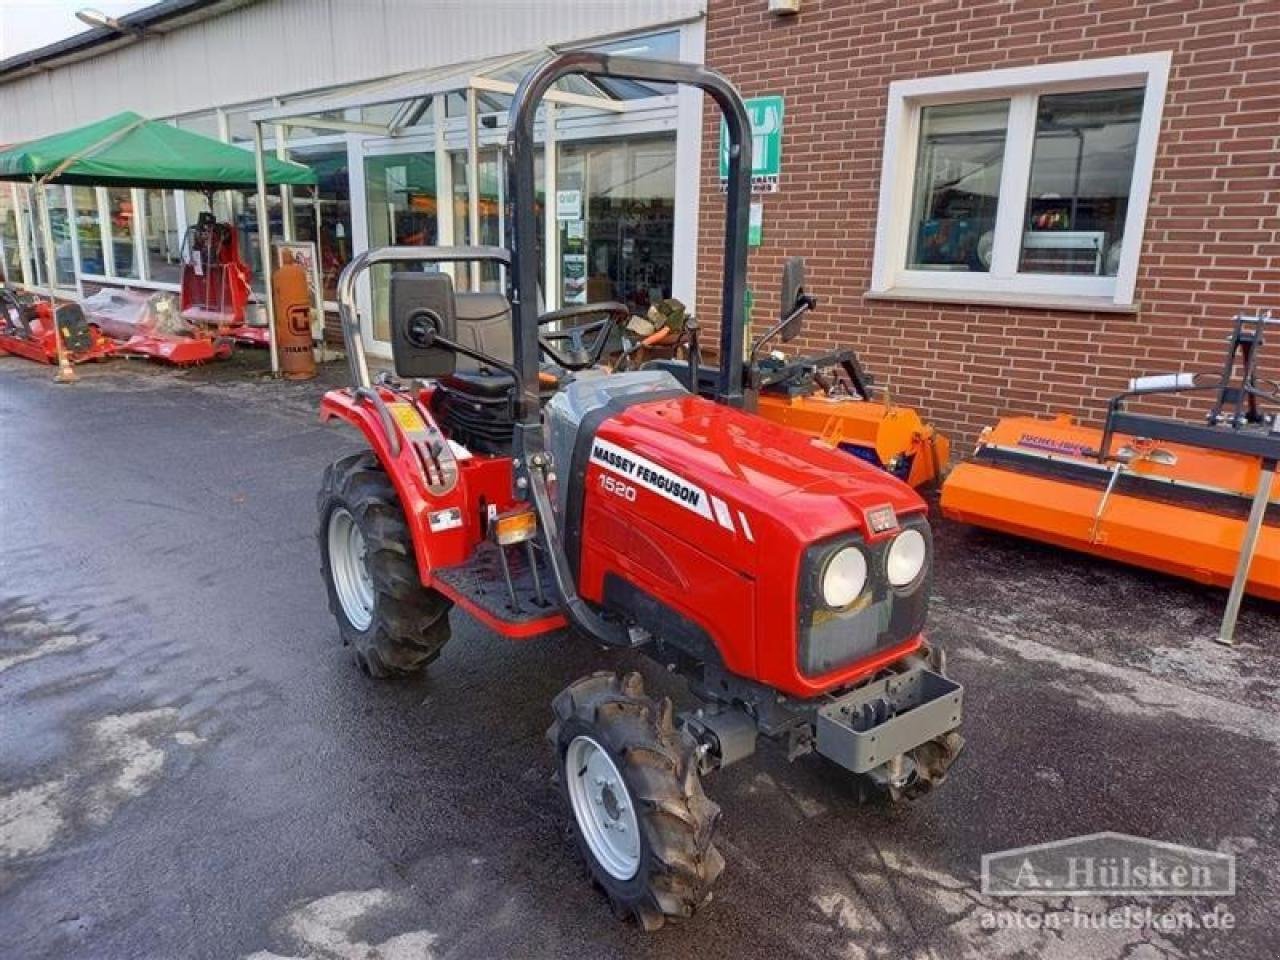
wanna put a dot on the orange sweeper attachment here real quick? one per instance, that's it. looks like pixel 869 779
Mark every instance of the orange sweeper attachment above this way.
pixel 830 397
pixel 1186 498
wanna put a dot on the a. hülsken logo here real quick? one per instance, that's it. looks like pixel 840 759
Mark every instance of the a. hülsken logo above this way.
pixel 1108 864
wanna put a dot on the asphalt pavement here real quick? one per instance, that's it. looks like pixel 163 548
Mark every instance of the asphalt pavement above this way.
pixel 191 765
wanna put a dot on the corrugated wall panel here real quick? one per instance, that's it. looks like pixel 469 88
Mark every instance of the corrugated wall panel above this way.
pixel 281 47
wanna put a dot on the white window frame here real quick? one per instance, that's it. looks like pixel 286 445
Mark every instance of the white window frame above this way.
pixel 1003 285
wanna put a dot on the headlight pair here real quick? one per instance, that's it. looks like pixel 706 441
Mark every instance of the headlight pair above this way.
pixel 845 575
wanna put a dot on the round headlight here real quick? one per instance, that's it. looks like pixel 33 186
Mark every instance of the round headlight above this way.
pixel 844 577
pixel 907 556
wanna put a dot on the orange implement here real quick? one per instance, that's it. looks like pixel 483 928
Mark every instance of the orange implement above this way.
pixel 1165 506
pixel 894 438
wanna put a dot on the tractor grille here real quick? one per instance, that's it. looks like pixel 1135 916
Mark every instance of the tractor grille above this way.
pixel 882 617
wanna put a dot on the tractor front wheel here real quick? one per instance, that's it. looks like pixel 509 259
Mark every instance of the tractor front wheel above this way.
pixel 394 624
pixel 630 778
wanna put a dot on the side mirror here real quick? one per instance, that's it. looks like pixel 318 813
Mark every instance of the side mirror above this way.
pixel 793 298
pixel 422 309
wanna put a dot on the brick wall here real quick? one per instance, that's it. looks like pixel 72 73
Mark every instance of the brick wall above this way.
pixel 1212 242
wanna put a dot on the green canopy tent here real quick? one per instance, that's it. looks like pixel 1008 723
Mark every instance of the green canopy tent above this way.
pixel 128 150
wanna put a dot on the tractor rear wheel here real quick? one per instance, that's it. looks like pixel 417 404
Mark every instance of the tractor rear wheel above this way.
pixel 630 778
pixel 394 624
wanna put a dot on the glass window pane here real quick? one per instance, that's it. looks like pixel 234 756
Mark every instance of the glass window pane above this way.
pixel 957 185
pixel 120 209
pixel 163 243
pixel 243 217
pixel 659 46
pixel 380 113
pixel 11 268
pixel 205 124
pixel 88 230
pixel 198 203
pixel 621 248
pixel 655 46
pixel 1081 171
pixel 60 227
pixel 28 223
pixel 400 191
pixel 489 103
pixel 330 166
pixel 240 127
pixel 489 196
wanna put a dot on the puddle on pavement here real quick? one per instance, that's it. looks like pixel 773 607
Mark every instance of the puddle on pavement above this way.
pixel 116 759
pixel 329 928
pixel 27 634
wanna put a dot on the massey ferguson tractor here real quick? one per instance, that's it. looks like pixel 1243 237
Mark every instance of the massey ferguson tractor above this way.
pixel 511 475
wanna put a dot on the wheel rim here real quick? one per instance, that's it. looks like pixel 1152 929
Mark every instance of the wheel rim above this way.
pixel 350 568
pixel 603 807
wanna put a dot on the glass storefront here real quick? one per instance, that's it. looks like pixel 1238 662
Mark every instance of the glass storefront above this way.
pixel 490 191
pixel 60 226
pixel 120 210
pixel 615 213
pixel 164 263
pixel 88 223
pixel 334 237
pixel 11 266
pixel 616 207
pixel 28 214
pixel 243 216
pixel 614 232
pixel 400 191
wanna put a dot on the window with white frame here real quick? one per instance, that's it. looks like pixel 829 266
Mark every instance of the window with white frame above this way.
pixel 1025 185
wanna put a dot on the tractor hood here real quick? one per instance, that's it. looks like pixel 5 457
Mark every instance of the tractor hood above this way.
pixel 745 463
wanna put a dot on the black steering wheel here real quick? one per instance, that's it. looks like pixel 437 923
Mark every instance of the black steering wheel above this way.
pixel 570 348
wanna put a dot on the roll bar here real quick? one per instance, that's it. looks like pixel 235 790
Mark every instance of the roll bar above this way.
pixel 522 282
pixel 350 318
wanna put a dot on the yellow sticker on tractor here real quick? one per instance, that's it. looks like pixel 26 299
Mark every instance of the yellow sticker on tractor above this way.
pixel 409 419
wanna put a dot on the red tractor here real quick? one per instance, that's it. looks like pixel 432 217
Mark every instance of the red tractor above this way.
pixel 512 476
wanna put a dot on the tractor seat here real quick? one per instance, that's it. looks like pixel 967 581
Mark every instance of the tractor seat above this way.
pixel 486 384
pixel 483 384
pixel 484 324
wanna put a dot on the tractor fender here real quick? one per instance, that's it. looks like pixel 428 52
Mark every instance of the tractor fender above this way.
pixel 399 457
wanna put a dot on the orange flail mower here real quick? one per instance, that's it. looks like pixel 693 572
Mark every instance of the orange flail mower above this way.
pixel 1191 499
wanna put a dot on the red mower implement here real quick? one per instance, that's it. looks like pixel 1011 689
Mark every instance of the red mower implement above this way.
pixel 511 475
pixel 27 330
pixel 147 325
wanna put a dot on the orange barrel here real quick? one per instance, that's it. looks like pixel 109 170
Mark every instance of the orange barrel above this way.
pixel 291 294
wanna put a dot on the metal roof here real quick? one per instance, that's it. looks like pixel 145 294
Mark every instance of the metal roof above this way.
pixel 156 18
pixel 490 78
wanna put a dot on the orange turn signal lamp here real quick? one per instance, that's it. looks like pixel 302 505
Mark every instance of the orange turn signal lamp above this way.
pixel 512 528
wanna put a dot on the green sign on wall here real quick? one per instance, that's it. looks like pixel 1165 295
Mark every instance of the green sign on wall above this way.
pixel 765 114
